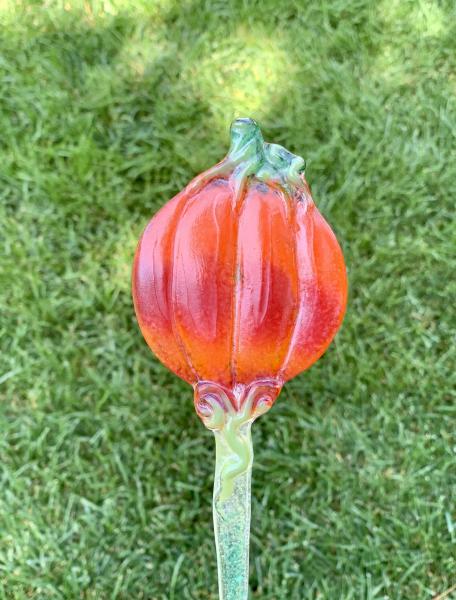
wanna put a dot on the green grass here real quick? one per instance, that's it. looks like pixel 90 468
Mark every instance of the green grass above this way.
pixel 107 110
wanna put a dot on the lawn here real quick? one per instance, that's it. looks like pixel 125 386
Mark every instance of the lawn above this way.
pixel 108 108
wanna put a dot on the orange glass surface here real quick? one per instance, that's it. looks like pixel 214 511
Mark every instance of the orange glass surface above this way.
pixel 239 278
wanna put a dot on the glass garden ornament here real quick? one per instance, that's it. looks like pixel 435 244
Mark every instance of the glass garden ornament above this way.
pixel 239 284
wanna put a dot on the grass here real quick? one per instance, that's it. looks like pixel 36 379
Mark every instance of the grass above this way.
pixel 107 110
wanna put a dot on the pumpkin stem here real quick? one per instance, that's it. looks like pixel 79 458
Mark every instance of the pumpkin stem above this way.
pixel 268 162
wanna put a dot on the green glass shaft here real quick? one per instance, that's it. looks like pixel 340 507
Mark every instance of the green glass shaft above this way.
pixel 231 509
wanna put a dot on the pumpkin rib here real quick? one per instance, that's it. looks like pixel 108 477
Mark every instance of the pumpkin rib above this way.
pixel 204 261
pixel 289 203
pixel 171 286
pixel 239 193
pixel 158 334
pixel 266 269
pixel 268 296
pixel 292 218
pixel 318 348
pixel 300 325
pixel 321 273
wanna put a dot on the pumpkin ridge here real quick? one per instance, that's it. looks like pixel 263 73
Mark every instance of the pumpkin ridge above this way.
pixel 310 241
pixel 171 287
pixel 240 192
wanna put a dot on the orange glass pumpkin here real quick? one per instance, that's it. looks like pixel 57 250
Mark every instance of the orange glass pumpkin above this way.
pixel 238 278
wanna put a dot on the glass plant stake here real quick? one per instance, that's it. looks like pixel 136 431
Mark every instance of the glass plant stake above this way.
pixel 239 284
pixel 232 483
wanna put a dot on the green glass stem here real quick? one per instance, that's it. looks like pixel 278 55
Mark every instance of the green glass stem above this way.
pixel 231 510
pixel 230 414
pixel 250 155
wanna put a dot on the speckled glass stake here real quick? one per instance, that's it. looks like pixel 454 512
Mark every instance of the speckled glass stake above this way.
pixel 231 424
pixel 239 284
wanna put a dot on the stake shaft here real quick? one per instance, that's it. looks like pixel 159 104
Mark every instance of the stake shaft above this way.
pixel 231 510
